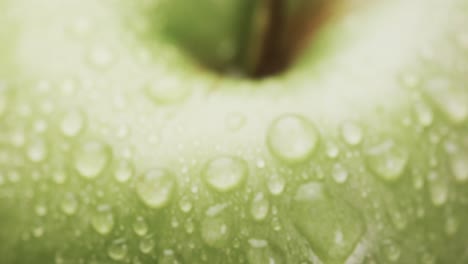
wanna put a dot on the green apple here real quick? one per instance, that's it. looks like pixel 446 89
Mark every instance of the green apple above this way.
pixel 120 141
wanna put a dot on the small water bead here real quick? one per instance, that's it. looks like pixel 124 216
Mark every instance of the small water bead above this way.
pixel 451 101
pixel 40 209
pixel 438 189
pixel 276 184
pixel 103 220
pixel 225 173
pixel 332 151
pixel 72 123
pixel 292 138
pixel 69 204
pixel 185 204
pixel 387 160
pixel 235 121
pixel 117 250
pixel 91 158
pixel 339 173
pixel 351 133
pixel 38 231
pixel 423 114
pixel 260 252
pixel 140 227
pixel 169 257
pixel 391 250
pixel 155 187
pixel 215 232
pixel 123 171
pixel 189 226
pixel 259 207
pixel 59 176
pixel 167 90
pixel 101 57
pixel 459 165
pixel 146 245
pixel 37 150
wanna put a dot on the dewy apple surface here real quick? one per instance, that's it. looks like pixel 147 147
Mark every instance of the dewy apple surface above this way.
pixel 116 147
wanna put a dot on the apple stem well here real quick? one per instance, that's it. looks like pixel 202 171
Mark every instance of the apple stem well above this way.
pixel 257 39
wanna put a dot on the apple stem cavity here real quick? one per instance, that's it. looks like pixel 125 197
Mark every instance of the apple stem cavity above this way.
pixel 256 39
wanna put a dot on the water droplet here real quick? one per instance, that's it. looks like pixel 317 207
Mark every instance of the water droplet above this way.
pixel 438 189
pixel 459 165
pixel 235 121
pixel 340 174
pixel 41 210
pixel 189 227
pixel 387 160
pixel 155 187
pixel 276 184
pixel 452 102
pixel 215 231
pixel 101 57
pixel 69 204
pixel 292 138
pixel 146 245
pixel 169 257
pixel 167 90
pixel 260 252
pixel 451 225
pixel 423 114
pixel 185 204
pixel 117 250
pixel 259 207
pixel 103 220
pixel 37 150
pixel 140 227
pixel 391 250
pixel 225 173
pixel 351 133
pixel 332 151
pixel 332 227
pixel 123 171
pixel 91 158
pixel 38 231
pixel 72 123
pixel 59 176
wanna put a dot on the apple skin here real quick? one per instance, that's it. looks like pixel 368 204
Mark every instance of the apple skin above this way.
pixel 116 148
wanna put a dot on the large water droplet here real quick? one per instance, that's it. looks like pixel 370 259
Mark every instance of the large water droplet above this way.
pixel 215 231
pixel 292 138
pixel 69 204
pixel 72 123
pixel 351 133
pixel 117 250
pixel 102 220
pixel 225 173
pixel 155 187
pixel 140 227
pixel 332 227
pixel 387 160
pixel 259 207
pixel 91 158
pixel 260 252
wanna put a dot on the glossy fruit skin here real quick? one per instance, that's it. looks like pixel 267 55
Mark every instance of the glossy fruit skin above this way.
pixel 98 166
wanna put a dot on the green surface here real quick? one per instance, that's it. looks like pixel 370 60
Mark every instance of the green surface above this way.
pixel 114 148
